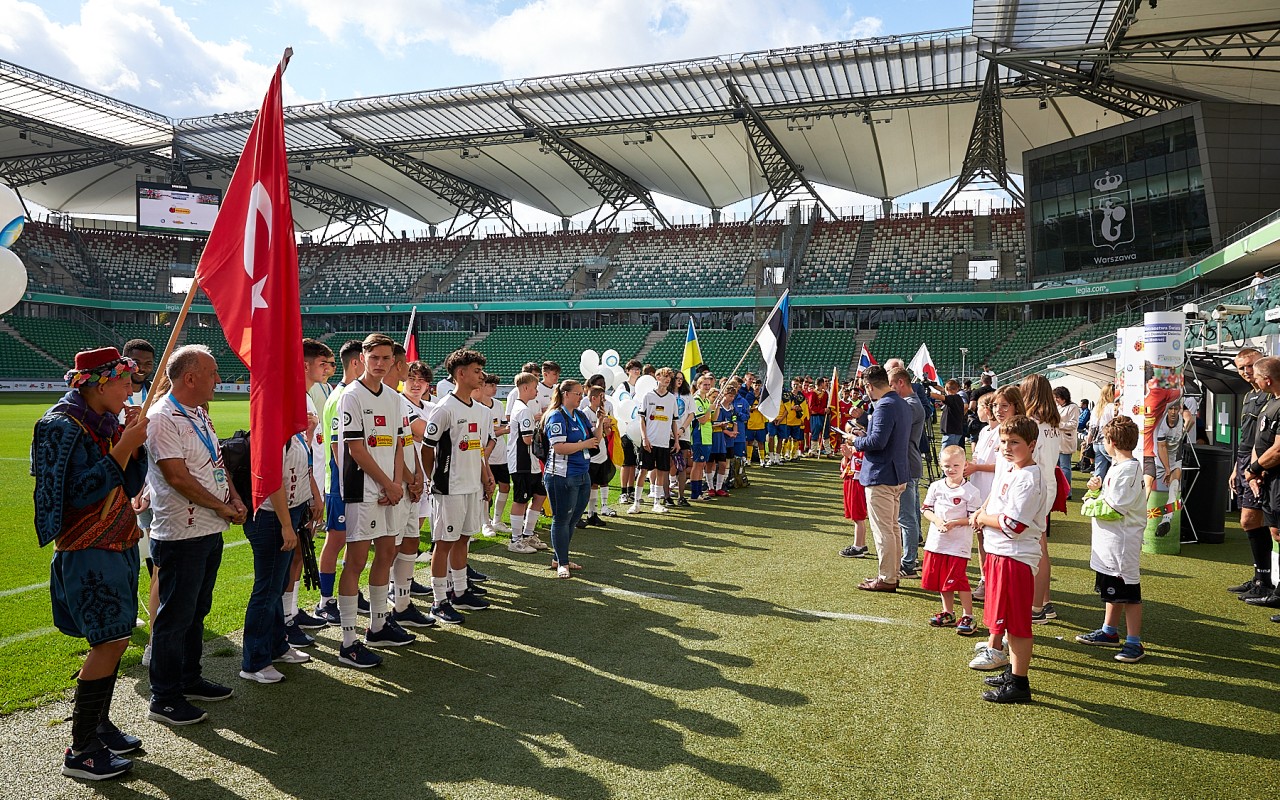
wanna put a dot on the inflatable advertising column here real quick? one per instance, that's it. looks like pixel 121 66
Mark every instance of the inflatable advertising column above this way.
pixel 1163 431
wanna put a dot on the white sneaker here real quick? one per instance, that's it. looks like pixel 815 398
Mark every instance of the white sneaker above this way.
pixel 980 591
pixel 424 557
pixel 292 656
pixel 267 674
pixel 488 530
pixel 634 509
pixel 500 526
pixel 146 656
pixel 659 508
pixel 608 512
pixel 518 546
pixel 537 543
pixel 989 659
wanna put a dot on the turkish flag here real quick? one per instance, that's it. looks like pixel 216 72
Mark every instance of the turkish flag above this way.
pixel 249 270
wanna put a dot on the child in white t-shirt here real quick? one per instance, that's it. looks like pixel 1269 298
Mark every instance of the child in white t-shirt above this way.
pixel 948 504
pixel 1117 505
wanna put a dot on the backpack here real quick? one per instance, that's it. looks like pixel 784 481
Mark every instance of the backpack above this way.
pixel 235 458
pixel 540 447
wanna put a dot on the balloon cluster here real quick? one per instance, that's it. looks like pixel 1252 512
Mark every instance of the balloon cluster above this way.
pixel 626 403
pixel 13 274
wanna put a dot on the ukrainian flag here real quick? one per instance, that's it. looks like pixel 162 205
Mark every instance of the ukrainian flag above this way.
pixel 692 354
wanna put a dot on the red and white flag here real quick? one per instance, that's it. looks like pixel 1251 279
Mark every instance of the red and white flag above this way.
pixel 249 270
pixel 922 365
pixel 411 338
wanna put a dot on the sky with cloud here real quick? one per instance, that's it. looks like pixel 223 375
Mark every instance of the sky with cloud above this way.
pixel 186 58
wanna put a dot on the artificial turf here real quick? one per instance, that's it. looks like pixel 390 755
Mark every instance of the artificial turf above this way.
pixel 720 651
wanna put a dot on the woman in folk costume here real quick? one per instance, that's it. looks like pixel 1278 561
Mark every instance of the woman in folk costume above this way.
pixel 82 457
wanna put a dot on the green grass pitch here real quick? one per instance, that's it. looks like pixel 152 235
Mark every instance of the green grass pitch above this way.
pixel 715 652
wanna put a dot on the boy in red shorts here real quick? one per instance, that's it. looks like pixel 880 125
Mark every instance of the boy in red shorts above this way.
pixel 1012 522
pixel 948 504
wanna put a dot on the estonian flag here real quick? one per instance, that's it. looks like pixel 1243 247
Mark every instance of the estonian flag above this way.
pixel 772 339
pixel 692 354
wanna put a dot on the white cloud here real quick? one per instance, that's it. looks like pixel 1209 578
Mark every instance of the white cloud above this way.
pixel 392 25
pixel 140 51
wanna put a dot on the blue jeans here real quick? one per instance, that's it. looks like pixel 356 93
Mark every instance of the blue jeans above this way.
pixel 1064 464
pixel 816 424
pixel 568 496
pixel 1101 461
pixel 188 569
pixel 264 635
pixel 909 523
pixel 953 438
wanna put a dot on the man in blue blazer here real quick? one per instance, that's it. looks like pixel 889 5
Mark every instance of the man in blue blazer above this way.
pixel 885 472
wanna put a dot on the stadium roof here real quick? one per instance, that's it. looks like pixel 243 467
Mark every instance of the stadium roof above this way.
pixel 881 117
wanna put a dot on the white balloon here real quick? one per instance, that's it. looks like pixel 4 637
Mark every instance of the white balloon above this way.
pixel 632 426
pixel 589 361
pixel 604 373
pixel 12 217
pixel 646 384
pixel 13 280
pixel 619 377
pixel 610 358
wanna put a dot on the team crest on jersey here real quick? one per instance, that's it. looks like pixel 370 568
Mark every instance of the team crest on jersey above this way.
pixel 432 429
pixel 555 429
pixel 955 501
pixel 346 419
pixel 380 421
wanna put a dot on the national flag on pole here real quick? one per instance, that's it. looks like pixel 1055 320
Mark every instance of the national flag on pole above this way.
pixel 249 270
pixel 865 360
pixel 411 338
pixel 692 354
pixel 922 365
pixel 834 395
pixel 772 339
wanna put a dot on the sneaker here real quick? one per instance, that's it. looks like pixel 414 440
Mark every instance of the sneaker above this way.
pixel 290 656
pixel 668 502
pixel 418 590
pixel 966 626
pixel 1162 529
pixel 1099 638
pixel 908 572
pixel 1131 653
pixel 296 636
pixel 988 658
pixel 362 605
pixel 1242 588
pixel 358 656
pixel 1258 591
pixel 634 509
pixel 476 589
pixel 468 601
pixel 94 765
pixel 583 522
pixel 943 619
pixel 537 543
pixel 412 617
pixel 1050 612
pixel 176 713
pixel 1007 693
pixel 608 512
pixel 267 674
pixel 488 530
pixel 327 610
pixel 980 591
pixel 594 519
pixel 446 613
pixel 207 691
pixel 116 740
pixel 307 622
pixel 853 551
pixel 146 656
pixel 1039 617
pixel 476 576
pixel 683 502
pixel 500 526
pixel 519 546
pixel 390 635
pixel 722 493
pixel 659 508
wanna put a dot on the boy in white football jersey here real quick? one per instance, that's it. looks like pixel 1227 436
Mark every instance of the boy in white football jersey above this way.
pixel 458 431
pixel 658 411
pixel 370 475
pixel 496 455
pixel 335 538
pixel 526 472
pixel 406 519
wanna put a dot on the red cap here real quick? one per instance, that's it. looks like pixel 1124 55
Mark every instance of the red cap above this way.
pixel 92 359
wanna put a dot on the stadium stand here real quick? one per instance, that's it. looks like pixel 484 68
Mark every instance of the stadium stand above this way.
pixel 42 246
pixel 687 261
pixel 375 271
pixel 132 264
pixel 530 267
pixel 17 360
pixel 828 258
pixel 433 346
pixel 721 349
pixel 1009 235
pixel 567 346
pixel 911 252
pixel 903 339
pixel 1032 337
pixel 61 339
pixel 230 368
pixel 815 351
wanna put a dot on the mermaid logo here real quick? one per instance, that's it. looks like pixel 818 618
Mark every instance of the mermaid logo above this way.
pixel 1112 213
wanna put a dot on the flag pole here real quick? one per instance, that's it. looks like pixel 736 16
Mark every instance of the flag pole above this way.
pixel 747 352
pixel 161 381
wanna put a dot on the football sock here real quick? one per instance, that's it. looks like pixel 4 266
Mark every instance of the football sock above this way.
pixel 1132 640
pixel 517 526
pixel 326 584
pixel 91 697
pixel 347 605
pixel 290 601
pixel 458 578
pixel 1021 682
pixel 402 579
pixel 499 504
pixel 439 589
pixel 377 607
pixel 531 520
pixel 1260 548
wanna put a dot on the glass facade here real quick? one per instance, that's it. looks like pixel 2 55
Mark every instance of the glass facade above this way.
pixel 1130 199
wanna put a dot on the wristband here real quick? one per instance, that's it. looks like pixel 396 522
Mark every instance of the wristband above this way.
pixel 1255 468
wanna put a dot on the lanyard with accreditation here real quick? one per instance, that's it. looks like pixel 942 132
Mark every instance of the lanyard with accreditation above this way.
pixel 219 473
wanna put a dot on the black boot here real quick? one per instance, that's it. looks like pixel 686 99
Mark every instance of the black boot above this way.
pixel 91 701
pixel 115 740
